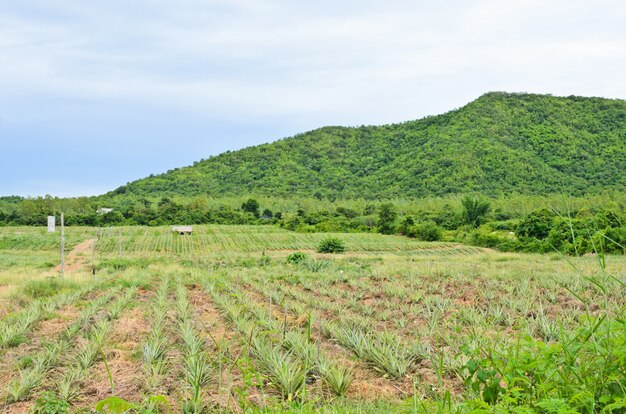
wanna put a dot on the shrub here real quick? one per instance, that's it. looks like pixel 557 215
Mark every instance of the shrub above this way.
pixel 427 231
pixel 507 225
pixel 570 236
pixel 297 258
pixel 582 376
pixel 610 240
pixel 537 224
pixel 406 225
pixel 331 245
pixel 448 218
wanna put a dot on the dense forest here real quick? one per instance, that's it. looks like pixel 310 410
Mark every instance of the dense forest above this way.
pixel 495 145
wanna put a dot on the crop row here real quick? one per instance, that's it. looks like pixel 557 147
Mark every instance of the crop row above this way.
pixel 227 242
pixel 50 356
pixel 14 328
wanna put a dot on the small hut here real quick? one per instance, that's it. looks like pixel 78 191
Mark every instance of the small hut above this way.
pixel 182 230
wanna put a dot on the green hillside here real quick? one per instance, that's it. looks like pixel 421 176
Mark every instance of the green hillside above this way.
pixel 497 144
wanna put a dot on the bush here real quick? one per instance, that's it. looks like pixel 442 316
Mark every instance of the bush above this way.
pixel 331 245
pixel 537 224
pixel 427 231
pixel 448 218
pixel 297 258
pixel 570 236
pixel 580 373
pixel 406 226
pixel 611 240
pixel 507 225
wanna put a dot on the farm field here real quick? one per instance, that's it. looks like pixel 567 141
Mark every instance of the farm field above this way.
pixel 229 320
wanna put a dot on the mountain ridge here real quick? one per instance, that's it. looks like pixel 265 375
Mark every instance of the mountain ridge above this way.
pixel 499 143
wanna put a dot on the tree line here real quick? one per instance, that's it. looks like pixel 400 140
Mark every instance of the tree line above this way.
pixel 470 220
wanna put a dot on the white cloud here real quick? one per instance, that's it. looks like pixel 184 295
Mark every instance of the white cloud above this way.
pixel 303 63
pixel 253 58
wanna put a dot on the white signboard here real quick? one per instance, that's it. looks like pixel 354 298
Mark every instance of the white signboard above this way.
pixel 51 223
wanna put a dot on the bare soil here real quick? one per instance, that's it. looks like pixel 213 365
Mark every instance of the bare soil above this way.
pixel 74 260
pixel 221 336
pixel 367 383
pixel 124 341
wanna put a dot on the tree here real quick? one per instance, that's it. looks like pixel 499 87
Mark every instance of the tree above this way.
pixel 537 224
pixel 405 225
pixel 474 210
pixel 387 218
pixel 251 206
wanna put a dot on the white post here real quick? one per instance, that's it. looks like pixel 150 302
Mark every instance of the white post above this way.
pixel 62 246
pixel 93 263
pixel 120 235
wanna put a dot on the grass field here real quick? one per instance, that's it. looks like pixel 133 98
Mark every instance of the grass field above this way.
pixel 221 322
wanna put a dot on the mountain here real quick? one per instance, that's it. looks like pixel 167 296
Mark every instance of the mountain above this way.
pixel 500 143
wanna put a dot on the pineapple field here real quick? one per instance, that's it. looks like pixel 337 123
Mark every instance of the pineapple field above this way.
pixel 238 319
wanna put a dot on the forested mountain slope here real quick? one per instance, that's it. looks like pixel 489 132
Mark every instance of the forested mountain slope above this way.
pixel 497 144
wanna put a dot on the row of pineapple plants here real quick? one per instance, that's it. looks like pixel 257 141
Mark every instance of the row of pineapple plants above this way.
pixel 89 351
pixel 287 356
pixel 384 351
pixel 13 329
pixel 51 355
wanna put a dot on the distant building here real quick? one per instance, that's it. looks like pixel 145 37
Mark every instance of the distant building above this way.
pixel 104 210
pixel 182 230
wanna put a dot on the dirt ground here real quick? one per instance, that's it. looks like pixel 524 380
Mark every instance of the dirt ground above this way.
pixel 74 261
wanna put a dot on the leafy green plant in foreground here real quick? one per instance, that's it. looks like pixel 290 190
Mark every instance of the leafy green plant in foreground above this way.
pixel 49 403
pixel 580 371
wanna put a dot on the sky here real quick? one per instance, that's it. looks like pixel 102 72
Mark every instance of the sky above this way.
pixel 94 94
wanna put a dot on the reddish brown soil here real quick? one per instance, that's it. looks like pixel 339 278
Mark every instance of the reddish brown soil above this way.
pixel 47 330
pixel 367 383
pixel 74 261
pixel 124 341
pixel 18 408
pixel 221 336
